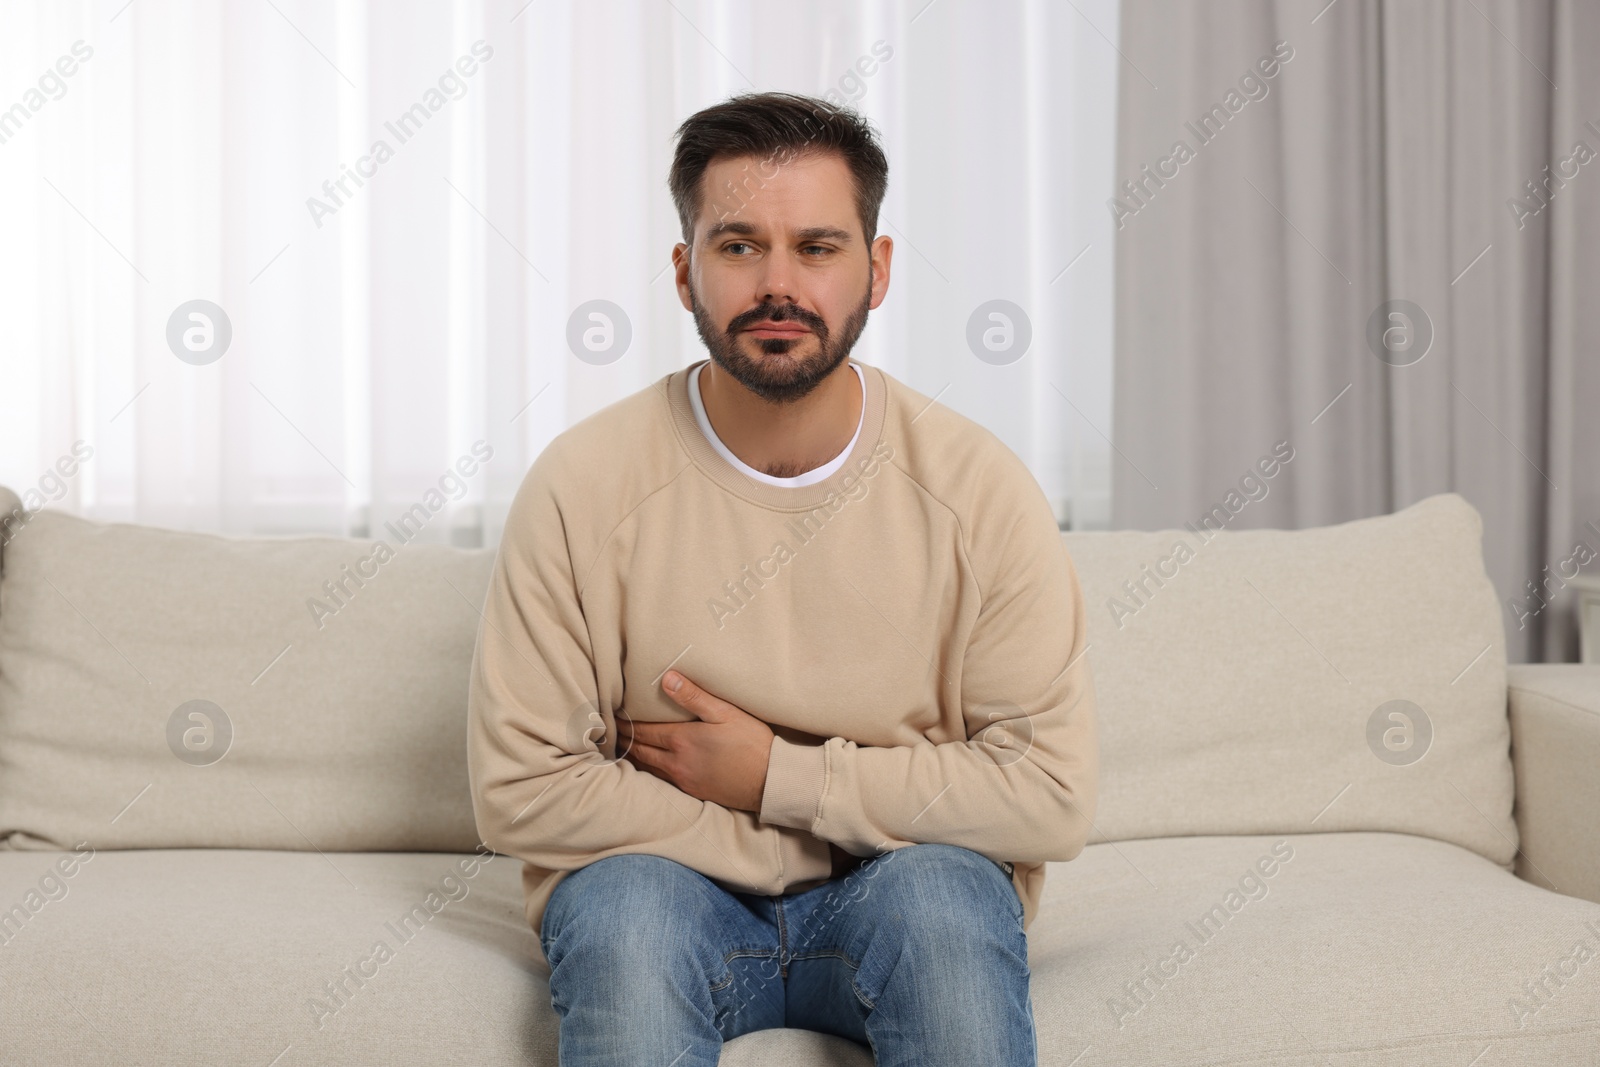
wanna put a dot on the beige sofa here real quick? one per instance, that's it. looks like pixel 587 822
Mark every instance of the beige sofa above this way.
pixel 235 827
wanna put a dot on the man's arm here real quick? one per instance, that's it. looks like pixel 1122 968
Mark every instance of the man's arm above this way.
pixel 1023 786
pixel 542 790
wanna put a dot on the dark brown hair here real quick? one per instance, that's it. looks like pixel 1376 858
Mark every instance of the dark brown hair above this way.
pixel 778 127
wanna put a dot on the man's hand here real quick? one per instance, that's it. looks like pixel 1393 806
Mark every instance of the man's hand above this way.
pixel 721 758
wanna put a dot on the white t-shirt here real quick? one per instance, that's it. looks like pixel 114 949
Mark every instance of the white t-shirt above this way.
pixel 810 477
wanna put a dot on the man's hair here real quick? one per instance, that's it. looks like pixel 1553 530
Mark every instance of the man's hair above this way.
pixel 778 128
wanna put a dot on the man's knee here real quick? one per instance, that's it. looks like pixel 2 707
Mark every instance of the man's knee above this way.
pixel 928 907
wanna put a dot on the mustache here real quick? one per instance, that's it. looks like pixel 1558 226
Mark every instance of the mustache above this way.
pixel 777 313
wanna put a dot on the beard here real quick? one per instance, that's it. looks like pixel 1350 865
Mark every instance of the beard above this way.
pixel 779 375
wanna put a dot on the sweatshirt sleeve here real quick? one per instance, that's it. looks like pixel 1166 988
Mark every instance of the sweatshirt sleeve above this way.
pixel 543 790
pixel 1023 785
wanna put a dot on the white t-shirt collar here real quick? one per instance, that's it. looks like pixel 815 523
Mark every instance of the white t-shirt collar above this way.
pixel 810 477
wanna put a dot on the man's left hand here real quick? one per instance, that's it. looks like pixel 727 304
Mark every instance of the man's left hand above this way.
pixel 721 758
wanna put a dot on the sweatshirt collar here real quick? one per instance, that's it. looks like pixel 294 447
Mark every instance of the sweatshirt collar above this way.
pixel 780 497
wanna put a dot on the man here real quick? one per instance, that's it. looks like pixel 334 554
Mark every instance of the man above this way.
pixel 780 694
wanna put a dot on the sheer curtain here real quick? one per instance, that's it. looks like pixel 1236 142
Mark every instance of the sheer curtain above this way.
pixel 283 266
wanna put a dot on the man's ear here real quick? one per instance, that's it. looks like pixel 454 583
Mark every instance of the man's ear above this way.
pixel 880 270
pixel 682 263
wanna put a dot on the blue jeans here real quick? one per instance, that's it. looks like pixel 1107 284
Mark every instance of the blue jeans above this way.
pixel 918 953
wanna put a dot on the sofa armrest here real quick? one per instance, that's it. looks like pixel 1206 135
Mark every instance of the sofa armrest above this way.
pixel 1555 753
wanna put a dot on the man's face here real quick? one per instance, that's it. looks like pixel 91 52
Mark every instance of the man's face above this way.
pixel 780 279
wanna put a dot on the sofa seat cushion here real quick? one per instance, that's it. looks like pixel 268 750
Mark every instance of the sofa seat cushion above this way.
pixel 225 956
pixel 1357 949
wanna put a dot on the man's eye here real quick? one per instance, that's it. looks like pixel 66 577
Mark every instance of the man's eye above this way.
pixel 734 244
pixel 819 248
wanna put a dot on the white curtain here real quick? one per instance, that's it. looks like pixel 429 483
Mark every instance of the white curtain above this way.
pixel 391 307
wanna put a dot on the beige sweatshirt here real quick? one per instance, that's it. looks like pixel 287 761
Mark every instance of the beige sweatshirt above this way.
pixel 911 628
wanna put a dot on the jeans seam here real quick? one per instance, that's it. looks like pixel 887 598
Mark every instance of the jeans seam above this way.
pixel 738 953
pixel 855 970
pixel 783 938
pixel 823 953
pixel 839 954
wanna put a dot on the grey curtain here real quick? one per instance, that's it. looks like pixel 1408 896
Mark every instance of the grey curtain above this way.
pixel 1377 251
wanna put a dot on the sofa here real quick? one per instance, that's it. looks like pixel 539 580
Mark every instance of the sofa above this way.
pixel 1334 826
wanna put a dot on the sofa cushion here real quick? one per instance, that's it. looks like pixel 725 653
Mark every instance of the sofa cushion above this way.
pixel 226 956
pixel 162 689
pixel 1347 677
pixel 1357 949
pixel 1372 950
